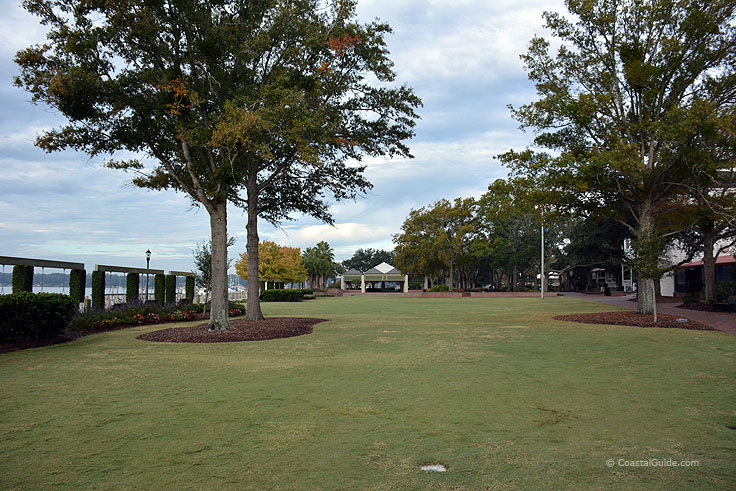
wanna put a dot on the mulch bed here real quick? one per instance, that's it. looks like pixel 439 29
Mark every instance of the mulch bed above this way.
pixel 702 306
pixel 243 330
pixel 661 299
pixel 630 318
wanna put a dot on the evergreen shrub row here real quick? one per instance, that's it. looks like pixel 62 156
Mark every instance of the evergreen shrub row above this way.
pixel 280 295
pixel 26 316
pixel 440 288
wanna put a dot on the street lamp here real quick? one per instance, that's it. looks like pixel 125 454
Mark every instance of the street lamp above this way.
pixel 148 265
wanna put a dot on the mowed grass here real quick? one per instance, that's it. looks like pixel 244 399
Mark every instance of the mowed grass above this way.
pixel 494 389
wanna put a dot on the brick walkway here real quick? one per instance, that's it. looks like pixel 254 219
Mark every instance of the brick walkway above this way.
pixel 723 321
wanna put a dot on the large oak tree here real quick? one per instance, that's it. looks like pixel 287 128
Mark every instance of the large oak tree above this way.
pixel 269 104
pixel 619 108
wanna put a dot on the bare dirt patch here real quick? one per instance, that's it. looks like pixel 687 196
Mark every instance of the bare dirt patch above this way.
pixel 630 318
pixel 243 330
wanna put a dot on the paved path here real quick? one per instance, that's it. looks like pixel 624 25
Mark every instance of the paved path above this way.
pixel 723 321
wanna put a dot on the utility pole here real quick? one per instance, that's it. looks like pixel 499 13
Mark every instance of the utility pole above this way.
pixel 541 278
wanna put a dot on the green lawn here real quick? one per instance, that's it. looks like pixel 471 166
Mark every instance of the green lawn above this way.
pixel 494 389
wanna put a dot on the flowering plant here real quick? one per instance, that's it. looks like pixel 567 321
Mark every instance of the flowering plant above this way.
pixel 138 319
pixel 152 318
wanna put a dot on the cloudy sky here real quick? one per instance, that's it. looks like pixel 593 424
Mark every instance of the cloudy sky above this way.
pixel 460 56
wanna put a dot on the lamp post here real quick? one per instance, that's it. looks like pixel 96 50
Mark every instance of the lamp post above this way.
pixel 148 265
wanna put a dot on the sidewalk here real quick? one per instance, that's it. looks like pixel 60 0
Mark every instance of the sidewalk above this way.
pixel 723 321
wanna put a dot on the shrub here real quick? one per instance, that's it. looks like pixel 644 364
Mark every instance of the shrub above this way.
pixel 725 290
pixel 691 298
pixel 22 278
pixel 27 316
pixel 440 288
pixel 77 284
pixel 132 284
pixel 282 295
pixel 98 290
pixel 170 288
pixel 416 285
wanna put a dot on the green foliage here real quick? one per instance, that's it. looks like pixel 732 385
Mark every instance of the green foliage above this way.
pixel 691 298
pixel 440 288
pixel 26 316
pixel 98 290
pixel 268 104
pixel 22 278
pixel 189 288
pixel 725 290
pixel 279 295
pixel 365 259
pixel 319 262
pixel 433 238
pixel 634 107
pixel 77 284
pixel 159 288
pixel 416 285
pixel 132 281
pixel 170 289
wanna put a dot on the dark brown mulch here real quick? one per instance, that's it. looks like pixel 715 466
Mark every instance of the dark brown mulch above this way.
pixel 661 299
pixel 702 306
pixel 243 330
pixel 630 318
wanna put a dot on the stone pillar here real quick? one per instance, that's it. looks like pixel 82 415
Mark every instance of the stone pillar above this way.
pixel 362 283
pixel 426 282
pixel 406 283
pixel 342 282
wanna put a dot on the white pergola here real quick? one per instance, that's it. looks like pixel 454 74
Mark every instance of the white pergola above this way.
pixel 382 272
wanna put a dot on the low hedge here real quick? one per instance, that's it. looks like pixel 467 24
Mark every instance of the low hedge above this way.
pixel 29 316
pixel 280 295
pixel 440 288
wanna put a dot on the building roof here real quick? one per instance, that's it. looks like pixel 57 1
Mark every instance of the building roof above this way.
pixel 721 260
pixel 382 268
pixel 352 272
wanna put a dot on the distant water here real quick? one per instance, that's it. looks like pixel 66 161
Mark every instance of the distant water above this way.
pixel 51 289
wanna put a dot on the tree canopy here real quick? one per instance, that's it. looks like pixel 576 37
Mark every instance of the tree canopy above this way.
pixel 619 110
pixel 277 263
pixel 320 263
pixel 433 237
pixel 365 259
pixel 261 103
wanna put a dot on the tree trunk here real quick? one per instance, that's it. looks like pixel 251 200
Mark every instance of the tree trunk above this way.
pixel 709 267
pixel 645 289
pixel 219 320
pixel 452 260
pixel 253 310
pixel 514 276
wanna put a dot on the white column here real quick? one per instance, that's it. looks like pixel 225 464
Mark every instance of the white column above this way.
pixel 362 283
pixel 342 282
pixel 426 282
pixel 406 283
